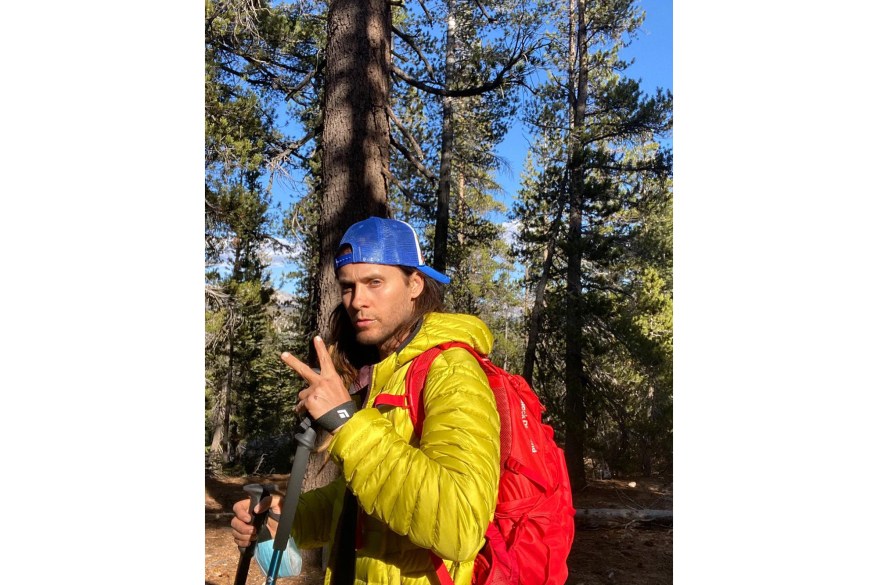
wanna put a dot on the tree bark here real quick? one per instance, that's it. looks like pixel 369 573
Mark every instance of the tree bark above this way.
pixel 356 132
pixel 220 423
pixel 224 400
pixel 443 199
pixel 533 330
pixel 575 378
pixel 223 406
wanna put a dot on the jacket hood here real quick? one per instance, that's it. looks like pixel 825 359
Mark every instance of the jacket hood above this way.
pixel 438 328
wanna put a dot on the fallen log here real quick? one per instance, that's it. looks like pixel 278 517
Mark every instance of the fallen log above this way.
pixel 612 517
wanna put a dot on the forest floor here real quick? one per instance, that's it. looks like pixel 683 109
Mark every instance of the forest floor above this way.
pixel 634 554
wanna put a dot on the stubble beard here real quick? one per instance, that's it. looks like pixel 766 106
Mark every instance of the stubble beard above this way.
pixel 385 343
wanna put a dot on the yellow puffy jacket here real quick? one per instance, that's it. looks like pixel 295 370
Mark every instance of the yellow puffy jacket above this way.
pixel 437 492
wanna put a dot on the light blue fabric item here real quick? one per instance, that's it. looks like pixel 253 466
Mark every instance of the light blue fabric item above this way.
pixel 290 559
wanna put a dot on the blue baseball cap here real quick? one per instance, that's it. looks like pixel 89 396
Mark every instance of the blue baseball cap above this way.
pixel 385 241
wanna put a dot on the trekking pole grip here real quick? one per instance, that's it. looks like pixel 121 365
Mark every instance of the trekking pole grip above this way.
pixel 256 492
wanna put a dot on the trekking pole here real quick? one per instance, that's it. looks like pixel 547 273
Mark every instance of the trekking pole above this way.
pixel 257 492
pixel 306 439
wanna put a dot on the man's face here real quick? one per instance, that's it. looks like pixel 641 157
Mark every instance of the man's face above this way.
pixel 380 300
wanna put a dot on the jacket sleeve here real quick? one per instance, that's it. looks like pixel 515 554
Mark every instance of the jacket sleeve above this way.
pixel 442 493
pixel 315 514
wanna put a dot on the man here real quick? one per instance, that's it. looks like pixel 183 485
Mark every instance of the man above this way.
pixel 400 496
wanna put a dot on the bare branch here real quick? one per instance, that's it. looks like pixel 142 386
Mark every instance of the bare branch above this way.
pixel 399 56
pixel 215 295
pixel 243 14
pixel 301 85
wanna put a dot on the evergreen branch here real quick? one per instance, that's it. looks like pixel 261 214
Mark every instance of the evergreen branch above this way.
pixel 410 197
pixel 619 337
pixel 526 85
pixel 649 165
pixel 548 127
pixel 410 41
pixel 262 64
pixel 491 19
pixel 273 80
pixel 466 92
pixel 281 245
pixel 618 132
pixel 408 135
pixel 426 12
pixel 292 148
pixel 418 165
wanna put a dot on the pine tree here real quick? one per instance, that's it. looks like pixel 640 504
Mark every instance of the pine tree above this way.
pixel 598 147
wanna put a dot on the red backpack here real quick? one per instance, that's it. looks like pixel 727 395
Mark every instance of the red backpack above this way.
pixel 528 540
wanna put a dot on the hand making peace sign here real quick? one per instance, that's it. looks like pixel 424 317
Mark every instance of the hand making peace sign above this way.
pixel 325 389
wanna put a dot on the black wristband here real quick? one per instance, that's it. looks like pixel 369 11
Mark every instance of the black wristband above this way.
pixel 337 416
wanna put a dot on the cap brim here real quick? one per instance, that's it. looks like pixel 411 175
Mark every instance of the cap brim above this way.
pixel 434 274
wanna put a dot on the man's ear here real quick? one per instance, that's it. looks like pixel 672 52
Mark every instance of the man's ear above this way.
pixel 416 284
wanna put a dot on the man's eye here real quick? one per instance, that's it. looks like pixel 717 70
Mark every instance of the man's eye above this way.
pixel 375 282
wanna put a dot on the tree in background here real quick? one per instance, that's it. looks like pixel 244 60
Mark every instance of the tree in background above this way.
pixel 457 67
pixel 235 222
pixel 599 145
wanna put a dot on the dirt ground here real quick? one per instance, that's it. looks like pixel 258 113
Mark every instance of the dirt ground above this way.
pixel 635 554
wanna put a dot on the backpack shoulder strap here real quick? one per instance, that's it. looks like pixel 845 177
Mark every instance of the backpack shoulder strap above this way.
pixel 416 378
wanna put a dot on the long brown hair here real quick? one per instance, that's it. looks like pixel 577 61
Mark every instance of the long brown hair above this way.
pixel 349 355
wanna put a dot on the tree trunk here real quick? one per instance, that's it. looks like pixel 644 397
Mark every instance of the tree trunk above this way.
pixel 356 132
pixel 443 199
pixel 536 313
pixel 575 377
pixel 221 415
pixel 646 440
pixel 223 404
pixel 220 421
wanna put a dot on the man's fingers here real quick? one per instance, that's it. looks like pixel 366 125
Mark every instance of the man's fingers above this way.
pixel 300 367
pixel 276 504
pixel 326 364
